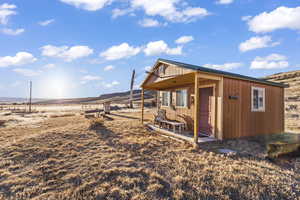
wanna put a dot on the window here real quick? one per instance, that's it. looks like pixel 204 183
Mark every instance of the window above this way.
pixel 258 99
pixel 161 70
pixel 165 98
pixel 181 98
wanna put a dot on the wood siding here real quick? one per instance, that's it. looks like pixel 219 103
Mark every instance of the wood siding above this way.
pixel 183 114
pixel 170 71
pixel 240 121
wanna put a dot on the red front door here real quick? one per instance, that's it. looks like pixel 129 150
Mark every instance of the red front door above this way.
pixel 205 125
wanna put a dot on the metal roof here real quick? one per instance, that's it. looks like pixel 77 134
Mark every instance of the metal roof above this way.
pixel 219 72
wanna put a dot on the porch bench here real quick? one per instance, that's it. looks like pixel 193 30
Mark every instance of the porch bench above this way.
pixel 180 125
pixel 161 119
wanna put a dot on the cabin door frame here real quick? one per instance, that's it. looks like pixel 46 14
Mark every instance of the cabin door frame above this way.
pixel 214 106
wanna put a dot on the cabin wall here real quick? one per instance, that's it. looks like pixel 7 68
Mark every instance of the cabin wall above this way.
pixel 182 114
pixel 240 121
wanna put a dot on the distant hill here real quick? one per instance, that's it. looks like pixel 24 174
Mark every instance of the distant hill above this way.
pixel 17 100
pixel 118 97
pixel 292 97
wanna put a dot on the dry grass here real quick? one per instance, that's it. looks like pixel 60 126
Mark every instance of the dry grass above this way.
pixel 62 115
pixel 74 158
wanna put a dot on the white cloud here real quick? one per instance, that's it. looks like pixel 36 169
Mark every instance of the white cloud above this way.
pixel 9 31
pixel 46 23
pixel 90 5
pixel 120 12
pixel 123 50
pixel 225 67
pixel 246 18
pixel 171 10
pixel 19 59
pixel 184 39
pixel 148 68
pixel 280 18
pixel 49 66
pixel 6 10
pixel 256 43
pixel 27 72
pixel 273 61
pixel 66 53
pixel 88 78
pixel 160 47
pixel 112 84
pixel 224 1
pixel 109 67
pixel 147 22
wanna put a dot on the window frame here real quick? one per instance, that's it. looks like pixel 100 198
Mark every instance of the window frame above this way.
pixel 186 99
pixel 263 107
pixel 169 98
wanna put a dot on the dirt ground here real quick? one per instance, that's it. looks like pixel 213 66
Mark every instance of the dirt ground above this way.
pixel 62 158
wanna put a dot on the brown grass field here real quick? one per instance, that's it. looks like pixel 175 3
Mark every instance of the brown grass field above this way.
pixel 65 158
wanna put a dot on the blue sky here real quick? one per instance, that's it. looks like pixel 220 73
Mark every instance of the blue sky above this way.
pixel 80 48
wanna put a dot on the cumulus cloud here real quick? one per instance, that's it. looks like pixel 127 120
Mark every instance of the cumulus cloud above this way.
pixel 112 84
pixel 123 50
pixel 282 17
pixel 66 53
pixel 19 59
pixel 90 5
pixel 87 78
pixel 225 66
pixel 171 10
pixel 13 32
pixel 184 39
pixel 109 67
pixel 6 10
pixel 273 61
pixel 27 72
pixel 224 1
pixel 160 47
pixel 120 12
pixel 257 43
pixel 246 18
pixel 46 22
pixel 147 22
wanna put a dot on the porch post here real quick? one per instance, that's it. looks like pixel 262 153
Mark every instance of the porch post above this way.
pixel 142 97
pixel 196 109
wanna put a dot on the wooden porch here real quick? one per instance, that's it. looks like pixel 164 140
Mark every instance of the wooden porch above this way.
pixel 194 80
pixel 186 135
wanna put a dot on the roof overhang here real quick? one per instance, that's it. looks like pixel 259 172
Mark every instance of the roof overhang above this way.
pixel 208 71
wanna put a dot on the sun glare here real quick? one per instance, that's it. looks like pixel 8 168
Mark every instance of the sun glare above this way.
pixel 55 87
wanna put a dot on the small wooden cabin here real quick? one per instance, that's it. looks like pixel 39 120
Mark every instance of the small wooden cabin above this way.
pixel 215 103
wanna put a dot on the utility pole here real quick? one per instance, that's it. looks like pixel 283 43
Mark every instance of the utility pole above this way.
pixel 30 96
pixel 131 89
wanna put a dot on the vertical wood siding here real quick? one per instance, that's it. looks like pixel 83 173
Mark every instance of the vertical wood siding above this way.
pixel 240 121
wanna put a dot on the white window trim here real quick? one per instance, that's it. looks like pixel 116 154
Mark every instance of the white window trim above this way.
pixel 187 98
pixel 169 99
pixel 262 109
